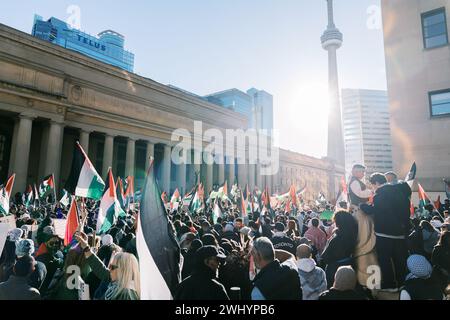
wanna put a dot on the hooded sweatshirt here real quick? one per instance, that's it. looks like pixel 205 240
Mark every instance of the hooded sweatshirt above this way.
pixel 312 279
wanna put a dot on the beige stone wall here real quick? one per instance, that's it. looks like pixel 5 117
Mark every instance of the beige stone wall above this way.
pixel 301 170
pixel 412 72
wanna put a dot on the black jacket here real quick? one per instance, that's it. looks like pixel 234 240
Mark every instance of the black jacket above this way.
pixel 201 285
pixel 391 209
pixel 278 282
pixel 423 289
pixel 334 295
pixel 17 288
pixel 231 235
pixel 337 249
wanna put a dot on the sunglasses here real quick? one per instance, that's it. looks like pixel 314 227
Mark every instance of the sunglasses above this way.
pixel 113 267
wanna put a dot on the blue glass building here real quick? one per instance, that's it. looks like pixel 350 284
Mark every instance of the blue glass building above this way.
pixel 256 105
pixel 108 47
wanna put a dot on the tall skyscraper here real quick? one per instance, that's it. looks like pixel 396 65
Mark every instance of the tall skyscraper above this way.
pixel 367 133
pixel 416 41
pixel 331 41
pixel 108 47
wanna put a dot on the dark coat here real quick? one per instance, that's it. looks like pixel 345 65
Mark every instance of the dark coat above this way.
pixel 423 289
pixel 391 209
pixel 278 282
pixel 337 249
pixel 17 288
pixel 52 263
pixel 334 294
pixel 231 235
pixel 201 285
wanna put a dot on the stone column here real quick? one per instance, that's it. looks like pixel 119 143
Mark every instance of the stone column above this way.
pixel 209 179
pixel 12 156
pixel 197 161
pixel 108 154
pixel 242 174
pixel 181 178
pixel 231 173
pixel 221 169
pixel 150 154
pixel 251 176
pixel 129 163
pixel 166 164
pixel 84 140
pixel 54 149
pixel 259 178
pixel 23 141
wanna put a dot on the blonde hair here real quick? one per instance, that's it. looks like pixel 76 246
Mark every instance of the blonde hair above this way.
pixel 127 273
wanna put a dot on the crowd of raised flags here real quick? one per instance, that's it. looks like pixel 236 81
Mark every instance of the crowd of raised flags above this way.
pixel 116 198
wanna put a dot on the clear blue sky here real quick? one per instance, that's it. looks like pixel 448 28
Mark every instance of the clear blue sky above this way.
pixel 210 45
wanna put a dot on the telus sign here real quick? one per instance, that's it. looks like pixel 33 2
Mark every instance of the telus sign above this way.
pixel 94 44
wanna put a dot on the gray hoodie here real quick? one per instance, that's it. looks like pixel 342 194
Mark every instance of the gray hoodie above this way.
pixel 312 279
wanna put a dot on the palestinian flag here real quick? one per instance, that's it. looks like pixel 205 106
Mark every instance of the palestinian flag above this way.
pixel 46 186
pixel 84 181
pixel 66 198
pixel 411 176
pixel 223 191
pixel 175 200
pixel 72 223
pixel 288 206
pixel 27 197
pixel 293 194
pixel 157 247
pixel 197 201
pixel 36 194
pixel 188 197
pixel 129 192
pixel 120 194
pixel 109 206
pixel 423 198
pixel 321 200
pixel 245 206
pixel 342 196
pixel 217 212
pixel 437 203
pixel 5 194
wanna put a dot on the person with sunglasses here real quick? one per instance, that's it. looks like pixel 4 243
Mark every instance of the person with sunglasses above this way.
pixel 49 253
pixel 122 274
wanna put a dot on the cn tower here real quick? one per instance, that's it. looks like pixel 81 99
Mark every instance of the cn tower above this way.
pixel 331 41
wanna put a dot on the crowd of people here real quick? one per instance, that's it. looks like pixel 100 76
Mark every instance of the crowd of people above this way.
pixel 371 245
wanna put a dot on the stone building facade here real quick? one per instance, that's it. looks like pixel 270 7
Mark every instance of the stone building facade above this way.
pixel 51 97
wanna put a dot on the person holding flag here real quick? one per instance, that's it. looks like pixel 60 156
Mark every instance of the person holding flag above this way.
pixel 5 194
pixel 84 181
pixel 110 208
pixel 27 197
pixel 47 187
pixel 175 200
pixel 391 212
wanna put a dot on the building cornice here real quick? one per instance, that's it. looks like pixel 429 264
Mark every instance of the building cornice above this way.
pixel 74 57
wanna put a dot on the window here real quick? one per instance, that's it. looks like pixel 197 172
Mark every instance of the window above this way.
pixel 440 103
pixel 434 28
